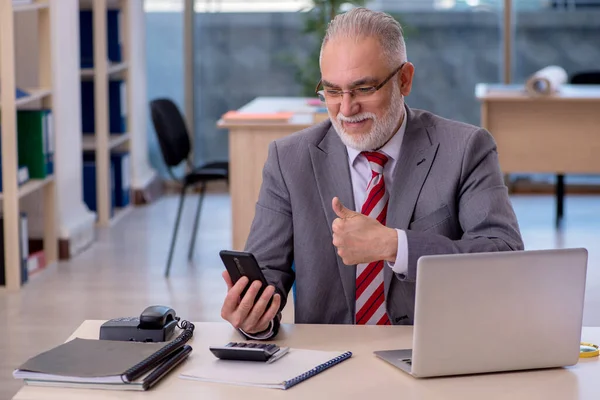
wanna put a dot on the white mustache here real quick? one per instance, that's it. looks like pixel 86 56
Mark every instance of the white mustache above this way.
pixel 356 118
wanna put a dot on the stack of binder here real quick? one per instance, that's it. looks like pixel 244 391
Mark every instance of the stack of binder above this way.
pixel 119 179
pixel 103 364
pixel 86 37
pixel 120 162
pixel 23 250
pixel 117 112
pixel 89 182
pixel 35 137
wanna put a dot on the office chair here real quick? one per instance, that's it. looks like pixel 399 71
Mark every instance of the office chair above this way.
pixel 175 147
pixel 580 78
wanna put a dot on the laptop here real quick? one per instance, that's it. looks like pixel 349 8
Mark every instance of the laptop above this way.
pixel 491 312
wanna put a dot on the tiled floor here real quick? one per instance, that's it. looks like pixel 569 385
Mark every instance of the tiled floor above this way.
pixel 123 272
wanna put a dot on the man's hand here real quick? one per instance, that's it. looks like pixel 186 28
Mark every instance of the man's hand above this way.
pixel 362 239
pixel 242 313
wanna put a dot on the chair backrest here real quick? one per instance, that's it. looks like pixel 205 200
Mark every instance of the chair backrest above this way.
pixel 171 131
pixel 586 78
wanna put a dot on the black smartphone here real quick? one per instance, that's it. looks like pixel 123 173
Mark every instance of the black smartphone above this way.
pixel 241 263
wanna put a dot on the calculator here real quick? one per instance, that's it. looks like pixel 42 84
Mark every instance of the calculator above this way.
pixel 248 351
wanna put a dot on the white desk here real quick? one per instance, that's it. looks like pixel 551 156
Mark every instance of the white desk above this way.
pixel 361 377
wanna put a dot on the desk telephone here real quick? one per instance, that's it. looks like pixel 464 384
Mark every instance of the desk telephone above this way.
pixel 155 324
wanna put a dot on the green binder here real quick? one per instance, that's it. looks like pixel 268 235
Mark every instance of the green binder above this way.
pixel 33 133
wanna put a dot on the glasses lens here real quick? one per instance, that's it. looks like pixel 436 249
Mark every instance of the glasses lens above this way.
pixel 333 99
pixel 364 91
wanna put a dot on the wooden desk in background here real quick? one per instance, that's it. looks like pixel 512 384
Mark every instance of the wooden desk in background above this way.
pixel 558 134
pixel 267 119
pixel 361 377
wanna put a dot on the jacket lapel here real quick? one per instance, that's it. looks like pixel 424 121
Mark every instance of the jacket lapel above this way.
pixel 332 174
pixel 411 170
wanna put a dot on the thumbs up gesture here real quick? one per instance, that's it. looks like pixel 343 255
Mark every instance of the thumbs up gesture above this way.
pixel 361 239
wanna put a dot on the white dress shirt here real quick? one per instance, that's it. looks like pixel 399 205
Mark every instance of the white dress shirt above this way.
pixel 360 172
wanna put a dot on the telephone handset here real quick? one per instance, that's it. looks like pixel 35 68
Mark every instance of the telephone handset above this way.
pixel 155 324
pixel 156 317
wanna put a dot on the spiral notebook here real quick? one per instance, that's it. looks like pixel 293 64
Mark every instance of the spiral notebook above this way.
pixel 293 368
pixel 104 364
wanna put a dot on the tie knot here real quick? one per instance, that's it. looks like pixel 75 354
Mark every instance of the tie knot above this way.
pixel 376 159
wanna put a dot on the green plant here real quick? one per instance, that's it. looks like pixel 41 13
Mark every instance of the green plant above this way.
pixel 306 68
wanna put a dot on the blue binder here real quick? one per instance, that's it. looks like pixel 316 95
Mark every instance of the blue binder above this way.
pixel 86 37
pixel 89 182
pixel 116 110
pixel 120 162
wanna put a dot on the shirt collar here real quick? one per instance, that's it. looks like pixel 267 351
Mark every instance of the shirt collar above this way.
pixel 391 148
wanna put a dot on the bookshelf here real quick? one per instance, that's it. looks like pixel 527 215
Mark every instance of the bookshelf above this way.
pixel 102 141
pixel 36 97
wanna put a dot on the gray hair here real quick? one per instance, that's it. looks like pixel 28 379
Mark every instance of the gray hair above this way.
pixel 361 23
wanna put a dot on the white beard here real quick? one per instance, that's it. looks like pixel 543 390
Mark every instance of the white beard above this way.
pixel 383 129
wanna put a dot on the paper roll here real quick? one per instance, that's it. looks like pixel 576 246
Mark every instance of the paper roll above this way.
pixel 546 81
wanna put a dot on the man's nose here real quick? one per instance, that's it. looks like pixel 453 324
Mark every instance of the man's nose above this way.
pixel 348 106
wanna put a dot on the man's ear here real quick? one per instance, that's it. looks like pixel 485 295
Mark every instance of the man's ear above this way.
pixel 405 78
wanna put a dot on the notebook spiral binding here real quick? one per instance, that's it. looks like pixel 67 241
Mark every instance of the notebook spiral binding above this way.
pixel 318 369
pixel 155 359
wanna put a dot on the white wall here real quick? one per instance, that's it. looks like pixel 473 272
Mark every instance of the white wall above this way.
pixel 76 222
pixel 142 172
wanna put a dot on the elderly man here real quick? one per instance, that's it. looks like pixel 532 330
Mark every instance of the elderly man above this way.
pixel 353 202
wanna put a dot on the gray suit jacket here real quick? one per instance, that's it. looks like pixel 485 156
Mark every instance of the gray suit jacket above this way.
pixel 448 194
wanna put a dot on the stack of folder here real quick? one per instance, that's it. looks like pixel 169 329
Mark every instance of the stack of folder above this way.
pixel 35 137
pixel 275 117
pixel 86 37
pixel 103 364
pixel 117 112
pixel 23 250
pixel 120 182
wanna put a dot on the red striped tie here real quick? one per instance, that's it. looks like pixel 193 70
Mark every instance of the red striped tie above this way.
pixel 370 299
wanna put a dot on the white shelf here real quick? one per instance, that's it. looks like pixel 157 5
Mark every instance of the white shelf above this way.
pixel 88 141
pixel 113 69
pixel 30 7
pixel 31 186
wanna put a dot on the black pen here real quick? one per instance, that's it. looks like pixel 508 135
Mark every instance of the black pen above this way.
pixel 165 368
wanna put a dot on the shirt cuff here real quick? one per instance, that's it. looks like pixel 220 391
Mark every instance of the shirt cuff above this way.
pixel 400 266
pixel 264 335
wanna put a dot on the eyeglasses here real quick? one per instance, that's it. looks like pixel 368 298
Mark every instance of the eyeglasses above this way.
pixel 335 96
